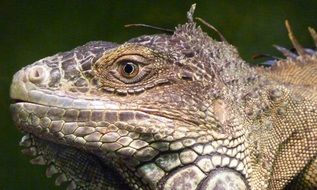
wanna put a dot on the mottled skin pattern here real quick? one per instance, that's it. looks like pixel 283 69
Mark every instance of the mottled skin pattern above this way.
pixel 179 111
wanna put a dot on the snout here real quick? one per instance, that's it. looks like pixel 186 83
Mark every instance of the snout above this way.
pixel 26 80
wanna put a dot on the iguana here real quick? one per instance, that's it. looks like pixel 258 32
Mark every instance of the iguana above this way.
pixel 180 111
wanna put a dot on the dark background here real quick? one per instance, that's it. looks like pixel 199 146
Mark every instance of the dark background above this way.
pixel 30 30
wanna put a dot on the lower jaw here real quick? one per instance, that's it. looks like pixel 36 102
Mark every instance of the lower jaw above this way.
pixel 66 160
pixel 32 118
pixel 72 167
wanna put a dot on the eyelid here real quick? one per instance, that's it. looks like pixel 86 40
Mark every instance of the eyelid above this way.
pixel 136 58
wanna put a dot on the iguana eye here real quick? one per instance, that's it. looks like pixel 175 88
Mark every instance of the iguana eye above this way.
pixel 128 69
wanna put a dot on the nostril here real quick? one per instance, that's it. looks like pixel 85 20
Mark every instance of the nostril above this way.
pixel 36 74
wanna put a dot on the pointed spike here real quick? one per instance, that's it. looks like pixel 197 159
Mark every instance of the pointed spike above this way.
pixel 38 161
pixel 262 55
pixel 26 141
pixel 190 13
pixel 26 136
pixel 285 52
pixel 313 34
pixel 300 50
pixel 29 151
pixel 60 179
pixel 310 51
pixel 51 170
pixel 72 186
pixel 268 63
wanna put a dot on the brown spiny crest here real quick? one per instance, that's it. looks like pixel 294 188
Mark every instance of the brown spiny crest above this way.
pixel 180 111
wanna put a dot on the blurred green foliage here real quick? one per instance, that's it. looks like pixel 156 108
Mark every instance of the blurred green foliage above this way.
pixel 30 30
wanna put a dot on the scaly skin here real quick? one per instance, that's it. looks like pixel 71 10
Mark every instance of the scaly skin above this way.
pixel 179 111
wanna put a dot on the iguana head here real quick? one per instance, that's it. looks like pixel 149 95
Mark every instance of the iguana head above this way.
pixel 153 113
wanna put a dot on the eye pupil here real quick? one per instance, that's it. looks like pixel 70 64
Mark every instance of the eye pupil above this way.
pixel 129 68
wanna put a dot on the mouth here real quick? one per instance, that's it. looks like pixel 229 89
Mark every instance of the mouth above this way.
pixel 16 101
